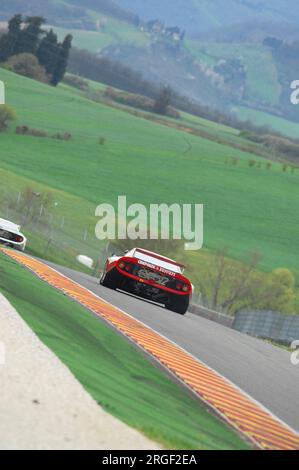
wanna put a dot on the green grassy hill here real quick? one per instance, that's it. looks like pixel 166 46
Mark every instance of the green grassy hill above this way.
pixel 246 208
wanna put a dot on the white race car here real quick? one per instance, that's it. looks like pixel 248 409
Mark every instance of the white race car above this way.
pixel 10 235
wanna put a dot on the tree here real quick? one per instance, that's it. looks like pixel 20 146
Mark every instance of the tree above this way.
pixel 282 285
pixel 272 42
pixel 163 100
pixel 34 205
pixel 10 42
pixel 27 65
pixel 6 114
pixel 47 52
pixel 26 43
pixel 228 286
pixel 30 35
pixel 62 60
pixel 5 48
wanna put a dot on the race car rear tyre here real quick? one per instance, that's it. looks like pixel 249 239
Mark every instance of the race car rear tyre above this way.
pixel 110 280
pixel 178 303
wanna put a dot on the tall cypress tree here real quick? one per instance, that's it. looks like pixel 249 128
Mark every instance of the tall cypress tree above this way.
pixel 48 51
pixel 10 42
pixel 62 61
pixel 14 32
pixel 30 35
pixel 163 100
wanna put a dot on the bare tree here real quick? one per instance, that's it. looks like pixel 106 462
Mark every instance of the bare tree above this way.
pixel 33 205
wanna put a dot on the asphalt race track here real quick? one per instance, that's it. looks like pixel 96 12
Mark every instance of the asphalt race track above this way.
pixel 263 371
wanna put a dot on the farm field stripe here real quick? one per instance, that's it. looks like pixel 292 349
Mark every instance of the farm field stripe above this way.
pixel 250 418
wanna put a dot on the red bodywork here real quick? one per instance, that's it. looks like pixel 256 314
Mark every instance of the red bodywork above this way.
pixel 125 265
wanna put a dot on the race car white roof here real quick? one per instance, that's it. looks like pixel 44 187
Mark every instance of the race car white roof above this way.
pixel 6 224
pixel 156 259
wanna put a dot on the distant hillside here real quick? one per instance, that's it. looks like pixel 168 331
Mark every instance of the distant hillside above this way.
pixel 81 14
pixel 109 7
pixel 198 16
pixel 224 65
pixel 58 13
pixel 232 18
pixel 251 32
pixel 164 63
pixel 195 16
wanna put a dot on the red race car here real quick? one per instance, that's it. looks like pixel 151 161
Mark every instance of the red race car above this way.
pixel 150 276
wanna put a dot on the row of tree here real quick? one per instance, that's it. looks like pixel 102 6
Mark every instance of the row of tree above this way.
pixel 28 37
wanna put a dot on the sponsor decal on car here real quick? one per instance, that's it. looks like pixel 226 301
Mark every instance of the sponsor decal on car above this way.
pixel 156 268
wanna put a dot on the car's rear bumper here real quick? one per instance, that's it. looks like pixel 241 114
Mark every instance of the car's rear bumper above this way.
pixel 19 246
pixel 152 283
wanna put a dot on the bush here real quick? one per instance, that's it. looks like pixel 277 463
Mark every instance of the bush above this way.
pixel 25 130
pixel 282 283
pixel 235 161
pixel 251 163
pixel 249 135
pixel 62 136
pixel 6 114
pixel 27 65
pixel 138 101
pixel 76 82
pixel 102 140
pixel 275 143
pixel 281 145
